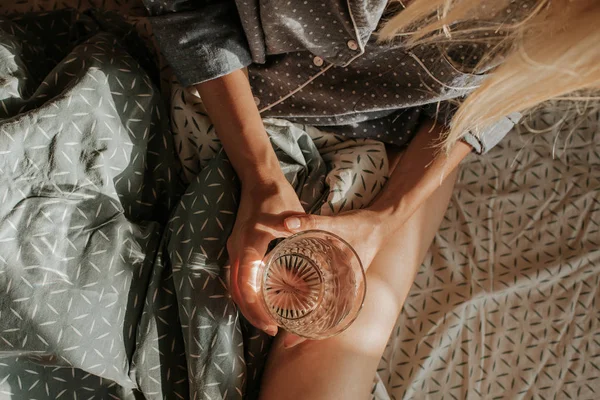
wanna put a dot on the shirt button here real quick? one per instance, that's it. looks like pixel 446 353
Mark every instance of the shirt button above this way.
pixel 352 45
pixel 318 61
pixel 257 101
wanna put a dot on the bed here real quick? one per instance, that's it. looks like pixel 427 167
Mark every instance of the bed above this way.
pixel 504 306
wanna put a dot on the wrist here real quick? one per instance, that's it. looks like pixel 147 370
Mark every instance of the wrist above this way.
pixel 254 158
pixel 388 216
pixel 265 171
pixel 374 224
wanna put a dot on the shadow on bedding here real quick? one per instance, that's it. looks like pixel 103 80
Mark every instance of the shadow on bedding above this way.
pixel 88 178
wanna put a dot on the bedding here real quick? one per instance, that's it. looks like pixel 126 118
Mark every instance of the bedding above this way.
pixel 112 234
pixel 504 306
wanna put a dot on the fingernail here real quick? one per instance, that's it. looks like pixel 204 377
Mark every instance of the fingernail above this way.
pixel 292 343
pixel 271 330
pixel 292 223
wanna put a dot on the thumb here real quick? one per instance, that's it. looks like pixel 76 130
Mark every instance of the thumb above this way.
pixel 299 223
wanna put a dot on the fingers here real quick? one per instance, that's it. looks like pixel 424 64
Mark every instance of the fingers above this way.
pixel 246 273
pixel 253 249
pixel 237 297
pixel 233 274
pixel 299 223
pixel 253 312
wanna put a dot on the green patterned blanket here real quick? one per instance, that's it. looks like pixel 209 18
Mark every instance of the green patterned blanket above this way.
pixel 112 250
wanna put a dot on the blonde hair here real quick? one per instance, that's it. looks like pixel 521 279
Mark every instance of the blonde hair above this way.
pixel 551 53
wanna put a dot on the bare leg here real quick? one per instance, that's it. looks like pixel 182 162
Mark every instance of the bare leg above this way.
pixel 343 367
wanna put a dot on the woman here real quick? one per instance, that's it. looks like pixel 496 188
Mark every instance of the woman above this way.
pixel 366 68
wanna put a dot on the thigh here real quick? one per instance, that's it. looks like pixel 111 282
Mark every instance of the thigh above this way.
pixel 343 367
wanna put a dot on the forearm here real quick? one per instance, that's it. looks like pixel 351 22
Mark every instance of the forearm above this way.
pixel 420 171
pixel 238 124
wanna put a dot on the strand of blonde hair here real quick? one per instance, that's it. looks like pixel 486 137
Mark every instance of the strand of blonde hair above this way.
pixel 553 52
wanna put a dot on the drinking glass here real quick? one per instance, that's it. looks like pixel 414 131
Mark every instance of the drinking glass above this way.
pixel 312 284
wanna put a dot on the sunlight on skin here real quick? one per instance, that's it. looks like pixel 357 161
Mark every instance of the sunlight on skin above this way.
pixel 365 336
pixel 277 232
pixel 342 367
pixel 250 290
pixel 357 348
pixel 251 287
pixel 354 351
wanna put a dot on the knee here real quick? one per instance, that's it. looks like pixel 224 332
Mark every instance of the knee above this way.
pixel 370 332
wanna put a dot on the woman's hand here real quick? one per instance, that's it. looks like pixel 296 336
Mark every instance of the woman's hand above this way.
pixel 418 173
pixel 264 205
pixel 267 198
pixel 365 230
pixel 266 202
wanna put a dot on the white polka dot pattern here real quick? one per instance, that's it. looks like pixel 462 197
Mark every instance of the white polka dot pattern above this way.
pixel 318 63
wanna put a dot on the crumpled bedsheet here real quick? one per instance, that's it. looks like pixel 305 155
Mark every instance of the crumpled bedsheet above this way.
pixel 112 244
pixel 505 305
pixel 507 302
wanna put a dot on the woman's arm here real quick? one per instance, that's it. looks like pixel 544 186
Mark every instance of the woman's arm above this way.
pixel 421 170
pixel 200 39
pixel 266 197
pixel 238 124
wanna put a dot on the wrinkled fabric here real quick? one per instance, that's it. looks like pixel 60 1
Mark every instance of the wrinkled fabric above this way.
pixel 506 303
pixel 112 257
pixel 319 63
pixel 202 44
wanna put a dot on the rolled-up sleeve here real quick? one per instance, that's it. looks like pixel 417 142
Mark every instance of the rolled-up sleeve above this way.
pixel 483 141
pixel 202 41
pixel 490 137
